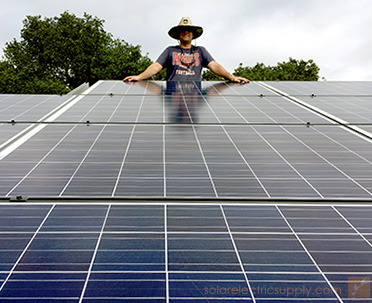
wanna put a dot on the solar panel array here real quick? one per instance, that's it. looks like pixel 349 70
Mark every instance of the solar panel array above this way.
pixel 156 139
pixel 185 253
pixel 187 192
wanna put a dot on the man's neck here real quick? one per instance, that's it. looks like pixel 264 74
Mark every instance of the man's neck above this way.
pixel 185 45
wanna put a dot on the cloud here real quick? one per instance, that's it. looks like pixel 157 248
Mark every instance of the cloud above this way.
pixel 334 33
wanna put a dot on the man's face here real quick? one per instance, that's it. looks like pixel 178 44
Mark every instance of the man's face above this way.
pixel 186 36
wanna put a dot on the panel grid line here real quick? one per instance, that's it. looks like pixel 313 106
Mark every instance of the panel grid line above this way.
pixel 128 147
pixel 272 147
pixel 352 226
pixel 187 282
pixel 237 254
pixel 31 108
pixel 344 146
pixel 27 246
pixel 91 147
pixel 335 119
pixel 51 150
pixel 225 118
pixel 327 161
pixel 166 253
pixel 200 147
pixel 309 254
pixel 239 151
pixel 94 255
pixel 164 152
pixel 40 161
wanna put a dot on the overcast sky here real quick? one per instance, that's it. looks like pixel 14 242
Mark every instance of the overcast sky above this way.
pixel 336 34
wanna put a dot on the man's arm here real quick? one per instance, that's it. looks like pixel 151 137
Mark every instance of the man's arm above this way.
pixel 219 70
pixel 152 70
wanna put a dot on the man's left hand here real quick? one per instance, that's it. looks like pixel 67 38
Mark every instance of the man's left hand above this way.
pixel 241 80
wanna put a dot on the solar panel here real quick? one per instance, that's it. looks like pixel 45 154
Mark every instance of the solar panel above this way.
pixel 317 88
pixel 16 110
pixel 157 139
pixel 187 192
pixel 347 102
pixel 184 253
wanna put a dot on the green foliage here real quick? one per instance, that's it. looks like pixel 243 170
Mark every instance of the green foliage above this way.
pixel 55 55
pixel 58 54
pixel 293 70
pixel 209 76
pixel 24 81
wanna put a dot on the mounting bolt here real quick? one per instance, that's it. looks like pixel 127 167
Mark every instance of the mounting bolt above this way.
pixel 18 198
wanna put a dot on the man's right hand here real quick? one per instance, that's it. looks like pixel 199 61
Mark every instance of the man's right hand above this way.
pixel 131 79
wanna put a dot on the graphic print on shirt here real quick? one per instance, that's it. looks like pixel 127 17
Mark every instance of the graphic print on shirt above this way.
pixel 186 62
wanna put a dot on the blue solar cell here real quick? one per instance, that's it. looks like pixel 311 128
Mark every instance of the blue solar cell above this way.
pixel 39 300
pixel 285 268
pixel 126 289
pixel 126 300
pixel 202 256
pixel 209 289
pixel 132 241
pixel 48 276
pixel 216 276
pixel 298 277
pixel 138 267
pixel 112 276
pixel 196 267
pixel 130 256
pixel 56 257
pixel 210 300
pixel 14 241
pixel 42 289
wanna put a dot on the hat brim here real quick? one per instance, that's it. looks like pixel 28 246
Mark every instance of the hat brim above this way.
pixel 175 31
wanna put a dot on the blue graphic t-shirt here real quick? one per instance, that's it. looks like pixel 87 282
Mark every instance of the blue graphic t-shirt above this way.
pixel 184 64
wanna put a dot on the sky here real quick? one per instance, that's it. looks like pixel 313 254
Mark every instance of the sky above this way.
pixel 336 34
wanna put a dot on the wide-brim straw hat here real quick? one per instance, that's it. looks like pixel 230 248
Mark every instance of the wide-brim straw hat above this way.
pixel 185 24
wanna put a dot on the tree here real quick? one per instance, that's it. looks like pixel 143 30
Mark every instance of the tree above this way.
pixel 293 70
pixel 58 54
pixel 209 76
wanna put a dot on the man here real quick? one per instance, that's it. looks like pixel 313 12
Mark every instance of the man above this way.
pixel 185 61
